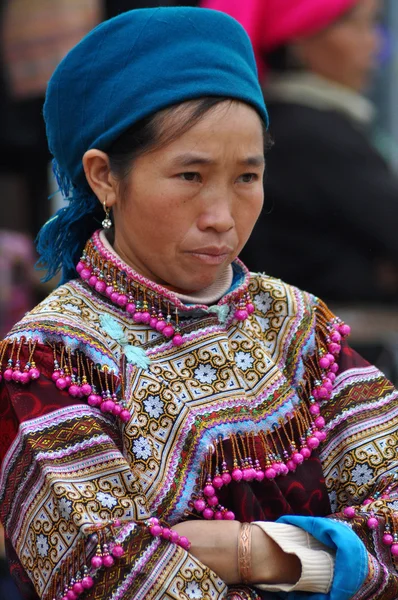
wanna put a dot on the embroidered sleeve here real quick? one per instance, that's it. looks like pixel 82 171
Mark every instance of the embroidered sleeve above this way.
pixel 360 460
pixel 71 503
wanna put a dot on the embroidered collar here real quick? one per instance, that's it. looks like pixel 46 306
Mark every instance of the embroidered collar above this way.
pixel 148 302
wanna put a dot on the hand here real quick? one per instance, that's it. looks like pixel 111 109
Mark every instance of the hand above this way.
pixel 215 544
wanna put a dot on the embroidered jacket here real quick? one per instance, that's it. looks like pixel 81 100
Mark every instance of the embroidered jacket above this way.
pixel 110 420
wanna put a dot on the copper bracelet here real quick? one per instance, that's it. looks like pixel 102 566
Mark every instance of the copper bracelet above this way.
pixel 244 553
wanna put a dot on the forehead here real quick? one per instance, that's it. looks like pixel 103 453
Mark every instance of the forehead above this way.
pixel 230 123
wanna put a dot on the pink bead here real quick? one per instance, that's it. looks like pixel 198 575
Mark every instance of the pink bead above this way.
pixel 334 367
pixel 247 475
pixel 284 469
pixel 277 467
pixel 87 582
pixel 70 594
pixel 209 490
pixel 335 337
pixel 174 537
pixel 145 317
pixel 166 533
pixel 315 393
pixel 68 379
pixel 241 314
pixel 394 549
pixel 94 400
pixel 168 331
pixel 349 512
pixel 114 297
pixel 291 465
pixel 154 521
pixel 130 308
pixel 78 588
pixel 96 562
pixel 73 390
pixel 344 329
pixel 121 300
pixel 199 505
pixel 34 373
pixel 334 348
pixel 297 458
pixel 330 358
pixel 324 363
pixel 212 501
pixel 320 422
pixel 137 317
pixel 217 482
pixel 116 410
pixel 328 384
pixel 86 389
pixel 324 393
pixel 305 452
pixel 79 267
pixel 160 325
pixel 321 435
pixel 177 340
pixel 367 501
pixel 314 409
pixel 184 542
pixel 153 322
pixel 85 274
pixel 270 473
pixel 260 475
pixel 250 308
pixel 208 513
pixel 125 415
pixel 312 442
pixel 93 280
pixel 100 286
pixel 24 378
pixel 109 290
pixel 218 515
pixel 56 375
pixel 237 474
pixel 388 539
pixel 117 551
pixel 108 561
pixel 331 376
pixel 156 530
pixel 372 523
pixel 226 477
pixel 107 406
pixel 229 515
pixel 61 383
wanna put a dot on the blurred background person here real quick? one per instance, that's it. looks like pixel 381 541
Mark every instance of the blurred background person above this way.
pixel 331 213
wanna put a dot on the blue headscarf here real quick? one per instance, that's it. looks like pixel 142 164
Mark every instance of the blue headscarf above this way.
pixel 124 70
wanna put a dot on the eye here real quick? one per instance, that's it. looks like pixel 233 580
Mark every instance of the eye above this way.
pixel 248 178
pixel 190 176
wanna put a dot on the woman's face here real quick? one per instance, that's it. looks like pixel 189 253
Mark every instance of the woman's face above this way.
pixel 188 208
pixel 346 52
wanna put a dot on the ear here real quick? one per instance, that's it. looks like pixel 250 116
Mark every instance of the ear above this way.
pixel 98 174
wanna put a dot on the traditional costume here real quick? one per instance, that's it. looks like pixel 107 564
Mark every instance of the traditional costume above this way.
pixel 127 408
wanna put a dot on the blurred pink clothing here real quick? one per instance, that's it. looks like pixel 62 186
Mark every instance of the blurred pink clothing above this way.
pixel 272 23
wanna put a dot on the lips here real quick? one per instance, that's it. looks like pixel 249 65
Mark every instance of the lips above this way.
pixel 211 255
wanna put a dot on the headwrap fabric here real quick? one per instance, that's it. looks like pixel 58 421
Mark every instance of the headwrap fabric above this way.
pixel 137 64
pixel 125 69
pixel 272 23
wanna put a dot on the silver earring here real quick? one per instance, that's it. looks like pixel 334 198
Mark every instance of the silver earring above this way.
pixel 106 223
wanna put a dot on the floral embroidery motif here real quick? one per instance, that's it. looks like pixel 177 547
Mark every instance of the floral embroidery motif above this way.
pixel 65 508
pixel 361 474
pixel 106 500
pixel 192 590
pixel 142 448
pixel 154 406
pixel 244 361
pixel 263 301
pixel 42 545
pixel 205 374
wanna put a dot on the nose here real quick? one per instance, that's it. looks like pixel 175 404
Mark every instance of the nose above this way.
pixel 217 214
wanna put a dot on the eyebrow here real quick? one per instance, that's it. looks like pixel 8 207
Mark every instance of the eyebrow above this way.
pixel 189 160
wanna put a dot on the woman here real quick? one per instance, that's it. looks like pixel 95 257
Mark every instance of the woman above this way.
pixel 327 188
pixel 175 427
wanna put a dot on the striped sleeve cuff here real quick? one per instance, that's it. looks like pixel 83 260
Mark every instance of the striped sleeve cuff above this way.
pixel 317 560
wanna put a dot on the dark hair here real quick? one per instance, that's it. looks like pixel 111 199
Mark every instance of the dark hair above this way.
pixel 150 134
